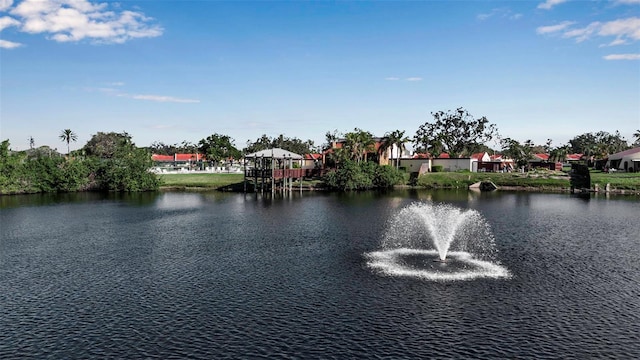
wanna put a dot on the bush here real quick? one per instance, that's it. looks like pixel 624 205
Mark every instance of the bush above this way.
pixel 437 168
pixel 126 170
pixel 362 176
pixel 387 176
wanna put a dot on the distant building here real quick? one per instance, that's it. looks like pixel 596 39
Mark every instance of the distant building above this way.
pixel 383 157
pixel 628 160
pixel 178 162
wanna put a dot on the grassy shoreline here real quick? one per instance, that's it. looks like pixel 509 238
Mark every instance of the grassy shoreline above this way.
pixel 543 181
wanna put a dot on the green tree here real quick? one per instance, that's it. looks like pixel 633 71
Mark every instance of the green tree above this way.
pixel 10 169
pixel 127 170
pixel 121 166
pixel 454 132
pixel 359 143
pixel 218 147
pixel 68 136
pixel 262 143
pixel 521 154
pixel 294 145
pixel 160 148
pixel 74 175
pixel 559 154
pixel 636 136
pixel 599 144
pixel 105 145
pixel 395 139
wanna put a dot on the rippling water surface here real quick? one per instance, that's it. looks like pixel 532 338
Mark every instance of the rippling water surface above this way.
pixel 182 275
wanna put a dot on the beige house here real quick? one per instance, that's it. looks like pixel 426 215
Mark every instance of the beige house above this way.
pixel 628 160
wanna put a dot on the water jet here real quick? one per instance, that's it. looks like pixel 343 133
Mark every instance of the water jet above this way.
pixel 459 238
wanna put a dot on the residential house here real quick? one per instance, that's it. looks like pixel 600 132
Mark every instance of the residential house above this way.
pixel 628 160
pixel 383 158
pixel 178 162
pixel 542 161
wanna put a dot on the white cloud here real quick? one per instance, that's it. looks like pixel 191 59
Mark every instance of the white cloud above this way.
pixel 4 44
pixel 7 21
pixel 115 89
pixel 582 34
pixel 624 30
pixel 5 4
pixel 159 98
pixel 76 20
pixel 554 28
pixel 414 78
pixel 622 57
pixel 499 12
pixel 549 4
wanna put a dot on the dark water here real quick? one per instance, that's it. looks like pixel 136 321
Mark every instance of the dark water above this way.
pixel 212 276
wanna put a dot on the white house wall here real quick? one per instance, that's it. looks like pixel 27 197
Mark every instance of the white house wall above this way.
pixel 456 164
pixel 413 165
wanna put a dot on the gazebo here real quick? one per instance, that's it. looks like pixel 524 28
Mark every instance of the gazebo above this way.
pixel 272 167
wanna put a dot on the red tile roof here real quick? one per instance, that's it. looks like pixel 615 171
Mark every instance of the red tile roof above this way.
pixel 177 157
pixel 313 156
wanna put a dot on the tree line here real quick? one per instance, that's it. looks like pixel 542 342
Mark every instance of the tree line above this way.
pixel 111 161
pixel 108 162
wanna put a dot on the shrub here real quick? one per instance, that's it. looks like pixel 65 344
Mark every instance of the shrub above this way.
pixel 437 168
pixel 386 176
pixel 362 176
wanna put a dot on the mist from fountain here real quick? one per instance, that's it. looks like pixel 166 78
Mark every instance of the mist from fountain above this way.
pixel 421 233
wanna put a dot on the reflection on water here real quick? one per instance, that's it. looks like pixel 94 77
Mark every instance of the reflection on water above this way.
pixel 219 275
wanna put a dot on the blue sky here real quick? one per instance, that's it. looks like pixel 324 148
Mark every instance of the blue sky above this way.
pixel 171 71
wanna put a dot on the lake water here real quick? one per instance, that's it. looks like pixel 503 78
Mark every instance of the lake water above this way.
pixel 214 275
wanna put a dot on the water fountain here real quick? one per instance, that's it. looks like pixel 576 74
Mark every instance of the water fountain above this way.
pixel 421 233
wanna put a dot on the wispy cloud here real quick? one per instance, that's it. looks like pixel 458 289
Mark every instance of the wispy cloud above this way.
pixel 76 20
pixel 413 78
pixel 582 34
pixel 624 31
pixel 4 44
pixel 547 5
pixel 554 28
pixel 622 28
pixel 500 13
pixel 622 57
pixel 159 98
pixel 115 89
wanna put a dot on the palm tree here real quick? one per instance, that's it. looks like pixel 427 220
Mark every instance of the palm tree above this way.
pixel 559 153
pixel 396 139
pixel 68 136
pixel 637 137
